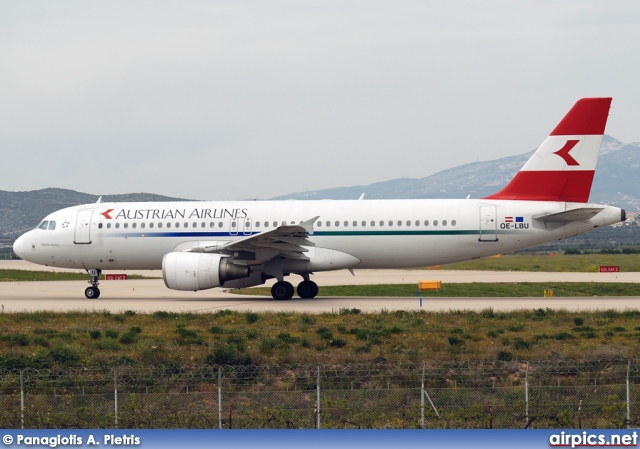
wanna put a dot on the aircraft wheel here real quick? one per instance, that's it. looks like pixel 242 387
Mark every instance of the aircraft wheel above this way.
pixel 282 290
pixel 92 292
pixel 307 289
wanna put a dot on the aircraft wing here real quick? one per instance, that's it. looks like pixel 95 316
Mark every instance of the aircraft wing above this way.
pixel 289 241
pixel 582 213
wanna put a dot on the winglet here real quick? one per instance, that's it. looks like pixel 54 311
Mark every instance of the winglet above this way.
pixel 562 168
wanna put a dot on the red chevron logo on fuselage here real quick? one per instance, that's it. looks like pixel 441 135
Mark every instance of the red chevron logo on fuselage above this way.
pixel 106 215
pixel 564 152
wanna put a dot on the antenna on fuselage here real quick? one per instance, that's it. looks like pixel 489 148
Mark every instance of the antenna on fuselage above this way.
pixel 99 199
pixel 361 197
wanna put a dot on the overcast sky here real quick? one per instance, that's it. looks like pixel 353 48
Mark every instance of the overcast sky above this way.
pixel 252 99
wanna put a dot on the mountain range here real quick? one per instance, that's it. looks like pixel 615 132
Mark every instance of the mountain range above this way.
pixel 615 183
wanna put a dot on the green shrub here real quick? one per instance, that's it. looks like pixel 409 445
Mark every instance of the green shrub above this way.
pixel 95 334
pixel 128 338
pixel 251 317
pixel 325 333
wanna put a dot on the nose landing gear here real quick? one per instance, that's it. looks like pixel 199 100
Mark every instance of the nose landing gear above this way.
pixel 93 292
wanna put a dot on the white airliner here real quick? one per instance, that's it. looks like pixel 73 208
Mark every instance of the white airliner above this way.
pixel 201 245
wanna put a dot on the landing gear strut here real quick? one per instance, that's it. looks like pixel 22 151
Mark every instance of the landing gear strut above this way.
pixel 93 292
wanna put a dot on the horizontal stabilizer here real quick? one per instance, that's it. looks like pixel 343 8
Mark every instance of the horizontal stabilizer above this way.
pixel 583 213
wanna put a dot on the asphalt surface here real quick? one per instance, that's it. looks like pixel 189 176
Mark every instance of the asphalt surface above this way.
pixel 149 295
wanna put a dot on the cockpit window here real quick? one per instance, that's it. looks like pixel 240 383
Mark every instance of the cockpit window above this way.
pixel 52 225
pixel 44 225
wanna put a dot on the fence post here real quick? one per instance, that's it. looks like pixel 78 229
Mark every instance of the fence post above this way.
pixel 628 394
pixel 422 397
pixel 318 398
pixel 219 397
pixel 526 394
pixel 22 399
pixel 115 396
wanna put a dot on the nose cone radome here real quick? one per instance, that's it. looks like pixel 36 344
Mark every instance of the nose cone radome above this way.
pixel 18 247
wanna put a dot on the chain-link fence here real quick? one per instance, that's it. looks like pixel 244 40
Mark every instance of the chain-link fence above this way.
pixel 572 394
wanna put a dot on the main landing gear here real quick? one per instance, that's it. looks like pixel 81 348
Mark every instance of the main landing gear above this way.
pixel 93 292
pixel 283 290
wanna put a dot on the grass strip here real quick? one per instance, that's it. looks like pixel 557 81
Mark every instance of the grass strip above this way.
pixel 475 289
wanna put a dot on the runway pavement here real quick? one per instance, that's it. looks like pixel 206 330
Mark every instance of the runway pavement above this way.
pixel 149 295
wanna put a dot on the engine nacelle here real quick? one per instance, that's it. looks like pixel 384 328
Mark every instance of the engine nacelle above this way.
pixel 199 271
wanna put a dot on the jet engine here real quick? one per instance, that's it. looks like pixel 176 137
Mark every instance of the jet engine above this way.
pixel 199 271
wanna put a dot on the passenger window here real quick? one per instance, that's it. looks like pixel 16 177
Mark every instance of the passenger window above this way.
pixel 355 224
pixel 203 224
pixel 364 224
pixel 150 225
pixel 257 224
pixel 373 223
pixel 453 222
pixel 195 225
pixel 220 224
pixel 142 225
pixel 126 225
pixel 108 225
pixel 319 224
pixel 381 223
pixel 337 223
pixel 417 222
pixel 99 225
pixel 426 222
pixel 134 225
pixel 117 225
pixel 435 222
pixel 159 225
pixel 177 225
pixel 52 225
pixel 233 225
pixel 328 224
pixel 408 222
pixel 44 225
pixel 212 224
pixel 390 223
pixel 266 224
pixel 186 225
pixel 168 225
pixel 346 224
pixel 399 223
pixel 444 222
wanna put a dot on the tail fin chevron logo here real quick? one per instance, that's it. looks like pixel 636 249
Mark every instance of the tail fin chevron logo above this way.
pixel 564 152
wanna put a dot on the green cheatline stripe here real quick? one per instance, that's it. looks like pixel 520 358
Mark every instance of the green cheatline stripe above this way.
pixel 389 233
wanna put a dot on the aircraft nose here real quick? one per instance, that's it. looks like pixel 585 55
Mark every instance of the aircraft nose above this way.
pixel 18 247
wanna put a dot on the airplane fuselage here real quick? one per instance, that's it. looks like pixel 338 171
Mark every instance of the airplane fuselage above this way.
pixel 372 233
